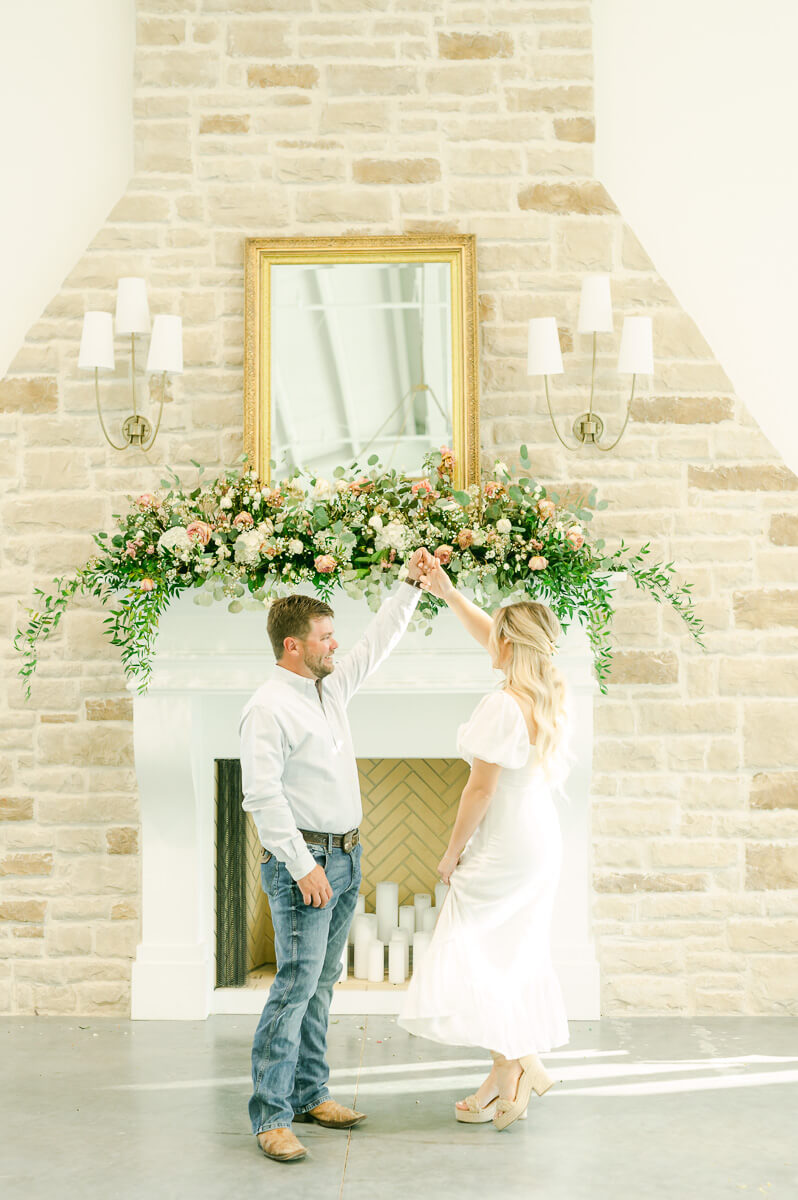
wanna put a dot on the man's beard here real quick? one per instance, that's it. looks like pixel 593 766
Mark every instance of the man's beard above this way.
pixel 319 666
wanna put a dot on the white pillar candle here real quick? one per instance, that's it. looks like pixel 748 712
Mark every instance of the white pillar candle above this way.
pixel 366 920
pixel 360 921
pixel 407 918
pixel 397 965
pixel 429 917
pixel 406 938
pixel 360 908
pixel 420 947
pixel 421 901
pixel 387 909
pixel 376 962
pixel 441 892
pixel 364 938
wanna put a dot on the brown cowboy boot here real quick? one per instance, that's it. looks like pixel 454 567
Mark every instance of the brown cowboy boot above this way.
pixel 331 1115
pixel 281 1144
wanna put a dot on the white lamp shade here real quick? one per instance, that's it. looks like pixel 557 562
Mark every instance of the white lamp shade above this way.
pixel 595 305
pixel 132 309
pixel 543 348
pixel 97 342
pixel 166 345
pixel 636 355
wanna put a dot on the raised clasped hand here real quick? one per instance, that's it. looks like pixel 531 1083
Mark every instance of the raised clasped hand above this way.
pixel 419 564
pixel 435 580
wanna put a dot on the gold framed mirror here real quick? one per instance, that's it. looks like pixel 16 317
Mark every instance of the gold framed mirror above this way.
pixel 361 346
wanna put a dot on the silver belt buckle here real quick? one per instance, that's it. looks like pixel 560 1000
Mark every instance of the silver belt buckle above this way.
pixel 350 840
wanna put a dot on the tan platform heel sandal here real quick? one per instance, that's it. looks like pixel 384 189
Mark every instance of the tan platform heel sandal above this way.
pixel 477 1114
pixel 474 1115
pixel 534 1078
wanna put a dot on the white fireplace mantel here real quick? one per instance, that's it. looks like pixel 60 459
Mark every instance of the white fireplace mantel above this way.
pixel 207 663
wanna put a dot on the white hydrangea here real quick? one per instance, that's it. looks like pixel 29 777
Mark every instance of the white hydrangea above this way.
pixel 176 541
pixel 504 526
pixel 480 537
pixel 375 522
pixel 392 537
pixel 295 546
pixel 225 502
pixel 248 547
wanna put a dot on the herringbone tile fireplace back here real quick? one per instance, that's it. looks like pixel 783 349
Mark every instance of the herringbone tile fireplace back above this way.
pixel 409 805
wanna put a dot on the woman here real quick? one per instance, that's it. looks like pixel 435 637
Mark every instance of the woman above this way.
pixel 487 978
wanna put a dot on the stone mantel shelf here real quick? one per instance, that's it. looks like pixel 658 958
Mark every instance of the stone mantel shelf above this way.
pixel 207 662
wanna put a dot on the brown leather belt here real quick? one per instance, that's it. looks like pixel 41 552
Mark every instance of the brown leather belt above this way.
pixel 343 841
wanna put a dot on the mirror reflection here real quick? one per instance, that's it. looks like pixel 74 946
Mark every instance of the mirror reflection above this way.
pixel 361 364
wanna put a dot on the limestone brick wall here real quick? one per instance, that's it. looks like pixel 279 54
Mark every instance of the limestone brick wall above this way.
pixel 275 117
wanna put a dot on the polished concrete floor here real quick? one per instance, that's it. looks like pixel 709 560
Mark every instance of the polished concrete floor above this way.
pixel 645 1108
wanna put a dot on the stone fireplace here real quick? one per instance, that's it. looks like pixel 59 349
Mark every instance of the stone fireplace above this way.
pixel 206 665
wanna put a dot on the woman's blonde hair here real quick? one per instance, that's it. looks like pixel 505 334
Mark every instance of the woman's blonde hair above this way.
pixel 532 630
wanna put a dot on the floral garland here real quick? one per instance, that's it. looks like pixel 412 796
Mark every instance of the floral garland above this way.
pixel 239 538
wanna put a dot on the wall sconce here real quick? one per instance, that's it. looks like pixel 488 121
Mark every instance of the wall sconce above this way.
pixel 636 356
pixel 165 356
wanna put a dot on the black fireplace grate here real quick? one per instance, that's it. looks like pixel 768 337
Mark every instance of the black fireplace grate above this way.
pixel 231 897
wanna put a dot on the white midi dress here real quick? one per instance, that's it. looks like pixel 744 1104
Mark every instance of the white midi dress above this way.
pixel 487 979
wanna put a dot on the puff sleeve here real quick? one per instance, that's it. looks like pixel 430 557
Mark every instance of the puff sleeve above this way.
pixel 496 733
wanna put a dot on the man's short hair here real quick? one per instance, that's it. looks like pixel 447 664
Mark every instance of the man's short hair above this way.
pixel 291 617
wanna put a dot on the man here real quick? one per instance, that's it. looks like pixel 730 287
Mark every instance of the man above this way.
pixel 300 783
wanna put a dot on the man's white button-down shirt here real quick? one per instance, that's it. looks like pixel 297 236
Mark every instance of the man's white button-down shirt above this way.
pixel 298 766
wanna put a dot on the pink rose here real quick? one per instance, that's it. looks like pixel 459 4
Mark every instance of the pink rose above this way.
pixel 546 509
pixel 274 498
pixel 325 564
pixel 147 501
pixel 422 485
pixel 538 563
pixel 444 554
pixel 492 488
pixel 363 484
pixel 243 520
pixel 199 531
pixel 147 585
pixel 465 538
pixel 535 544
pixel 576 538
pixel 131 549
pixel 446 466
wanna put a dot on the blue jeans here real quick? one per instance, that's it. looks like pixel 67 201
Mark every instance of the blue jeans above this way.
pixel 289 1053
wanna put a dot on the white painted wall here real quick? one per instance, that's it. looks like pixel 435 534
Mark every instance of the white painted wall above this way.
pixel 696 109
pixel 66 143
